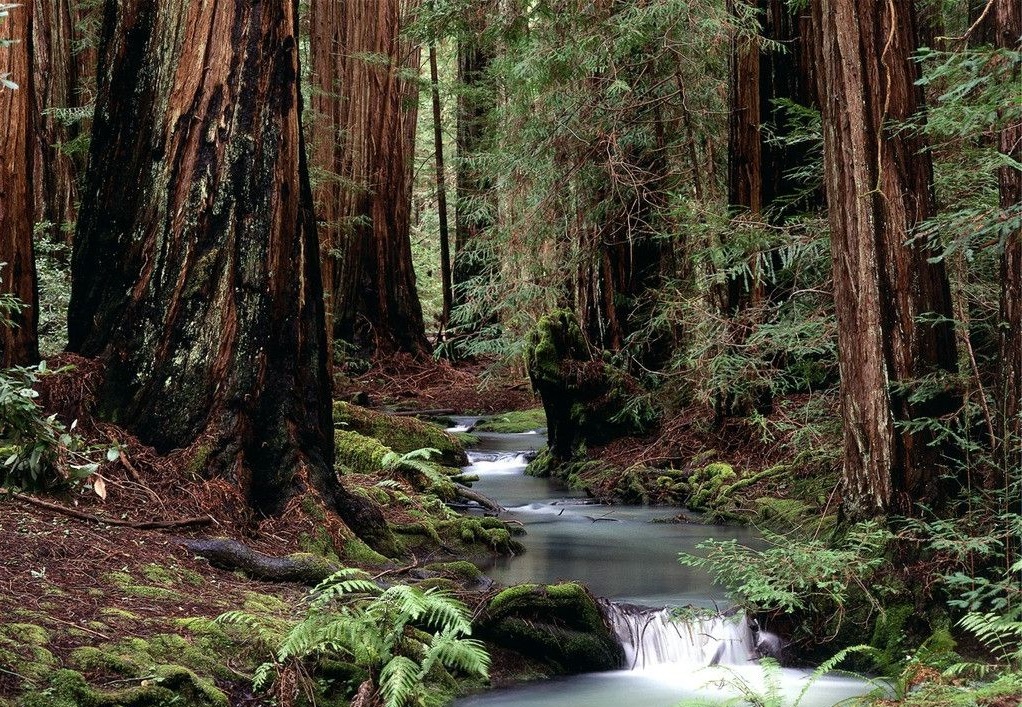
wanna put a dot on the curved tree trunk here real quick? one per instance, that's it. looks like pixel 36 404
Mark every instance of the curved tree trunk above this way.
pixel 375 300
pixel 1009 388
pixel 196 267
pixel 879 187
pixel 19 344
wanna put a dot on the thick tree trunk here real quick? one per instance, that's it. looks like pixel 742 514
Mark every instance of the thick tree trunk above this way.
pixel 57 85
pixel 196 266
pixel 879 187
pixel 375 300
pixel 19 343
pixel 1009 387
pixel 475 205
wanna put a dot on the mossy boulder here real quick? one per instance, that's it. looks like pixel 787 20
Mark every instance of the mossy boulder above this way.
pixel 561 625
pixel 399 433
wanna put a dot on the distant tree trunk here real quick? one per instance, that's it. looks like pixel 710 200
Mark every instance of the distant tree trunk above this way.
pixel 441 191
pixel 19 344
pixel 879 187
pixel 759 170
pixel 57 71
pixel 375 300
pixel 475 205
pixel 326 24
pixel 196 266
pixel 1009 388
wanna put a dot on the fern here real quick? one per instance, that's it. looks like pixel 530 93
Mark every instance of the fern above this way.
pixel 351 618
pixel 399 681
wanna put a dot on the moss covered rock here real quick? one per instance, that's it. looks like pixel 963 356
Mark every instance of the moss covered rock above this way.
pixel 560 625
pixel 515 422
pixel 399 433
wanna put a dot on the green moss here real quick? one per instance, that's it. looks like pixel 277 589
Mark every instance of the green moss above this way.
pixel 116 612
pixel 517 421
pixel 358 553
pixel 23 646
pixel 255 603
pixel 169 685
pixel 399 433
pixel 461 569
pixel 358 453
pixel 889 638
pixel 92 659
pixel 559 624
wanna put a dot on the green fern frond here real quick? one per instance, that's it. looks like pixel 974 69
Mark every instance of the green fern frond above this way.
pixel 264 676
pixel 399 681
pixel 452 651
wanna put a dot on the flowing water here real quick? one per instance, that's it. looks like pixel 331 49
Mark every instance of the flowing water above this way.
pixel 628 555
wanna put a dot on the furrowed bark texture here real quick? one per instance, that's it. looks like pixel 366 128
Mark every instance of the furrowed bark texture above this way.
pixel 19 343
pixel 879 187
pixel 196 267
pixel 60 78
pixel 1009 388
pixel 376 304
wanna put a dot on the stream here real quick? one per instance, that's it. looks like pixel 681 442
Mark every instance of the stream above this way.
pixel 623 555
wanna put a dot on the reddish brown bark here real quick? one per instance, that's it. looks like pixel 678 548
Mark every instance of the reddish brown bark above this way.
pixel 60 76
pixel 1009 388
pixel 879 187
pixel 196 265
pixel 376 304
pixel 18 343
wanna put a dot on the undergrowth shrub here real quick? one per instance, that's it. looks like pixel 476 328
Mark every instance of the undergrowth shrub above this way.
pixel 403 639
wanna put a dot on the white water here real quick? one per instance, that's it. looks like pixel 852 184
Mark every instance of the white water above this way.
pixel 652 637
pixel 619 553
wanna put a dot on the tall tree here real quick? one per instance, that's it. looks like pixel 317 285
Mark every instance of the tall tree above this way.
pixel 60 76
pixel 879 188
pixel 475 205
pixel 441 190
pixel 769 71
pixel 375 299
pixel 19 343
pixel 1009 30
pixel 196 267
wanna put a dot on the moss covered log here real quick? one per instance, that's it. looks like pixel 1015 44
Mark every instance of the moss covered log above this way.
pixel 399 433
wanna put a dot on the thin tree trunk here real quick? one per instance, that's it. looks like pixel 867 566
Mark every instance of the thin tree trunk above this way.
pixel 879 188
pixel 325 27
pixel 196 273
pixel 19 343
pixel 1009 387
pixel 375 301
pixel 441 193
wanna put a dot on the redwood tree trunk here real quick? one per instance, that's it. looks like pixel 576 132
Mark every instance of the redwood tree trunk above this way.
pixel 196 266
pixel 1009 28
pixel 59 74
pixel 879 187
pixel 19 343
pixel 376 303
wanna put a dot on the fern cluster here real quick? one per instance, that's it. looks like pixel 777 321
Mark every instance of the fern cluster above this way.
pixel 401 636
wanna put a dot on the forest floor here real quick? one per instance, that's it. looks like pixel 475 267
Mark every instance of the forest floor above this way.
pixel 88 586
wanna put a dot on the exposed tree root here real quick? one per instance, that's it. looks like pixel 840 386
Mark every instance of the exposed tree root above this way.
pixel 483 500
pixel 302 568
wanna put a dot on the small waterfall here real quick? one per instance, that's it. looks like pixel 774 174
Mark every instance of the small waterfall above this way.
pixel 499 462
pixel 651 637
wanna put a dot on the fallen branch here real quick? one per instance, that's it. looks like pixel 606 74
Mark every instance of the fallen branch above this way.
pixel 483 500
pixel 81 515
pixel 428 413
